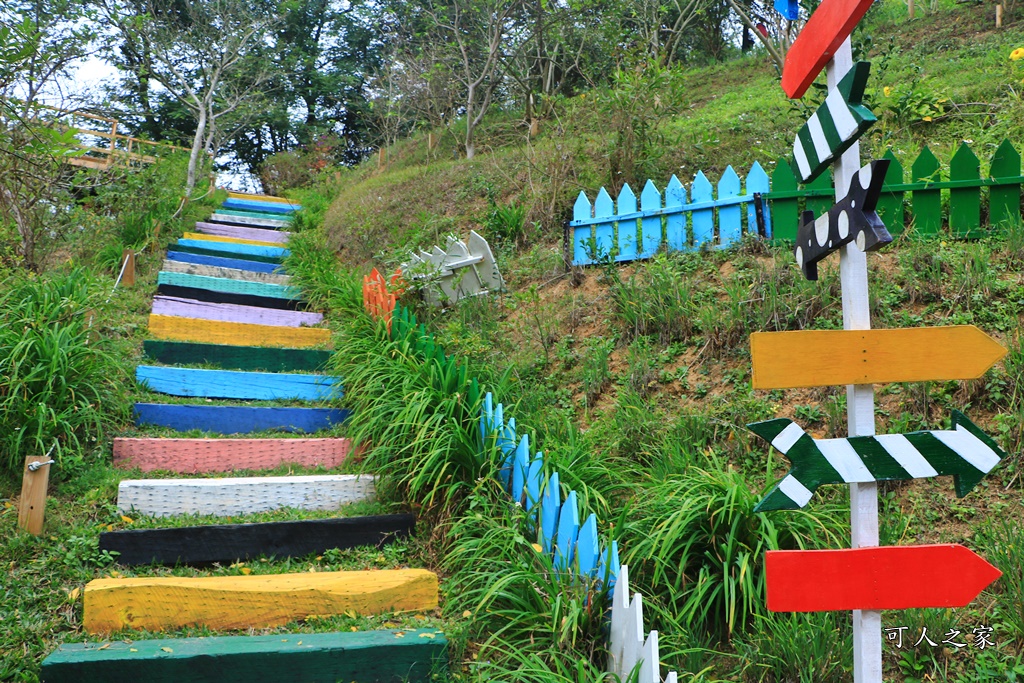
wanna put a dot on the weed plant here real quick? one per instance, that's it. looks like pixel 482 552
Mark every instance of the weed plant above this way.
pixel 63 386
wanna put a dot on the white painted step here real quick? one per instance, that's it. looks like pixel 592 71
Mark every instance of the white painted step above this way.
pixel 241 495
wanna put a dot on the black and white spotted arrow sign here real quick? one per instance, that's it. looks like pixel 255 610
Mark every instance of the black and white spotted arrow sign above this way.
pixel 851 220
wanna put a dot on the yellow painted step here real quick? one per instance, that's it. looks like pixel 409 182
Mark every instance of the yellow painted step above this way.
pixel 233 602
pixel 231 240
pixel 260 198
pixel 173 328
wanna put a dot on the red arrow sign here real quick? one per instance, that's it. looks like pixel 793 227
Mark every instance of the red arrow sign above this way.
pixel 889 577
pixel 824 32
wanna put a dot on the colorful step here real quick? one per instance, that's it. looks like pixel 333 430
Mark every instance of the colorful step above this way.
pixel 239 251
pixel 235 334
pixel 220 284
pixel 220 239
pixel 259 234
pixel 171 266
pixel 267 359
pixel 363 657
pixel 262 207
pixel 250 386
pixel 237 419
pixel 239 264
pixel 250 218
pixel 241 495
pixel 235 602
pixel 232 313
pixel 200 294
pixel 226 543
pixel 262 198
pixel 191 456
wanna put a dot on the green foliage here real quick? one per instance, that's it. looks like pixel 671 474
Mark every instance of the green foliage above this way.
pixel 804 648
pixel 1000 544
pixel 694 543
pixel 61 386
pixel 656 300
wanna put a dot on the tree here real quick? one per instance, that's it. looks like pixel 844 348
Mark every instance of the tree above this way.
pixel 211 55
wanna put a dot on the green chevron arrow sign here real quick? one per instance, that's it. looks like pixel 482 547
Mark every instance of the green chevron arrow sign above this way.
pixel 836 125
pixel 965 452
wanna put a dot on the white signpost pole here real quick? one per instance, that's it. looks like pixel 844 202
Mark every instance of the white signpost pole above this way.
pixel 860 400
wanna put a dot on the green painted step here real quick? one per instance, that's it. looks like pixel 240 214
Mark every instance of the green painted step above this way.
pixel 363 657
pixel 236 357
pixel 255 214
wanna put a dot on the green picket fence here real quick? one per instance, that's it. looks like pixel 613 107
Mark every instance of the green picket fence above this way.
pixel 932 202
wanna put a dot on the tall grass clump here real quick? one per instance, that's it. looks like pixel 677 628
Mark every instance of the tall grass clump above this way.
pixel 694 542
pixel 418 408
pixel 325 282
pixel 657 300
pixel 1000 543
pixel 62 384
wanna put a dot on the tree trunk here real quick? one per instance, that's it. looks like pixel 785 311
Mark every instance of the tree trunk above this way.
pixel 197 148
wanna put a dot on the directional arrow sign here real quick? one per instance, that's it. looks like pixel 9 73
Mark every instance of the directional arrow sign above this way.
pixel 825 31
pixel 852 219
pixel 890 577
pixel 836 125
pixel 965 452
pixel 820 358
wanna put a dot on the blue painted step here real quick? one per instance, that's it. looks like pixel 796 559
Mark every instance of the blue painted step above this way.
pixel 223 262
pixel 261 207
pixel 239 250
pixel 227 285
pixel 264 386
pixel 237 419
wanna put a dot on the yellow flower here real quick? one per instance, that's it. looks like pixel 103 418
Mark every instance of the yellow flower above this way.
pixel 886 91
pixel 1017 54
pixel 927 118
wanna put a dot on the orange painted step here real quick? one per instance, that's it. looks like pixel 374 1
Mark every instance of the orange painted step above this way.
pixel 225 455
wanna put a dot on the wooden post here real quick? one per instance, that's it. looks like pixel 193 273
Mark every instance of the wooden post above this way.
pixel 999 15
pixel 154 243
pixel 128 258
pixel 431 141
pixel 381 157
pixel 32 505
pixel 860 400
pixel 910 8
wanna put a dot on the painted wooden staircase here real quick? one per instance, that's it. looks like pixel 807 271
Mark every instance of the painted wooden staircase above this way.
pixel 224 302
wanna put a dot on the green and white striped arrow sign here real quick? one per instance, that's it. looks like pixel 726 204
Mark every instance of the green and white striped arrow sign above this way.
pixel 834 126
pixel 965 452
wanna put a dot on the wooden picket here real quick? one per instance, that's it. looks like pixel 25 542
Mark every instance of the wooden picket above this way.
pixel 627 647
pixel 713 215
pixel 618 230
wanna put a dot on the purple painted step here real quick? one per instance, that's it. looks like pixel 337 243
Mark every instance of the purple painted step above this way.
pixel 232 313
pixel 243 233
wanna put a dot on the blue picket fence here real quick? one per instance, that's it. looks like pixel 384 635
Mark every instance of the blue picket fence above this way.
pixel 674 219
pixel 574 547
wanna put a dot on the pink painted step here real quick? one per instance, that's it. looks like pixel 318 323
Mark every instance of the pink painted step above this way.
pixel 243 233
pixel 232 313
pixel 189 456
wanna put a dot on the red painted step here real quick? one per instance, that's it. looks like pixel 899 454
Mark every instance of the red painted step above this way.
pixel 225 455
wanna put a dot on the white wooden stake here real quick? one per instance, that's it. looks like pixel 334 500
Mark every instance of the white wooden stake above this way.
pixel 860 401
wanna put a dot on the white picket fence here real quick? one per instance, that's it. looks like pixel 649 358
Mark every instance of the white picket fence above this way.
pixel 460 270
pixel 627 645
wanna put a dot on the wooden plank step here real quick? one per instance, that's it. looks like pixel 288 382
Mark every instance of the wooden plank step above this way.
pixel 228 602
pixel 364 657
pixel 199 294
pixel 232 313
pixel 261 220
pixel 171 328
pixel 243 251
pixel 261 207
pixel 238 264
pixel 220 239
pixel 192 456
pixel 235 357
pixel 237 419
pixel 262 234
pixel 251 386
pixel 227 285
pixel 241 495
pixel 263 198
pixel 170 266
pixel 203 545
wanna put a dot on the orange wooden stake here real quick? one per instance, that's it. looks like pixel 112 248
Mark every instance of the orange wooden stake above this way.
pixel 32 505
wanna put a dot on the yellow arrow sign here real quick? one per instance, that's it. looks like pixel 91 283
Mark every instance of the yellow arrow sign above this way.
pixel 818 358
